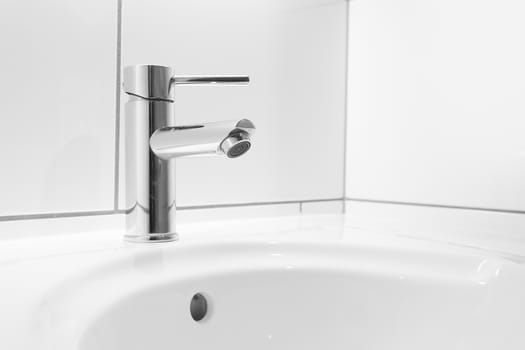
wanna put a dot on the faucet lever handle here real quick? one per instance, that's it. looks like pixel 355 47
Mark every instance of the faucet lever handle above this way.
pixel 208 80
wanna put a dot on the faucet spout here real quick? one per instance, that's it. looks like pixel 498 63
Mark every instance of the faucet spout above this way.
pixel 231 138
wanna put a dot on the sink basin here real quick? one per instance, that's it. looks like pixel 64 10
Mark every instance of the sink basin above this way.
pixel 299 296
pixel 280 292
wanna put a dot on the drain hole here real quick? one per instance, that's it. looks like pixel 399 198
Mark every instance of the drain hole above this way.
pixel 198 307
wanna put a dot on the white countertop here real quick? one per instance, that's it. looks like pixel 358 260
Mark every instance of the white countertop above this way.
pixel 335 228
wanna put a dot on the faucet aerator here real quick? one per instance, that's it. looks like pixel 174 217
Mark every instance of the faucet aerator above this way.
pixel 239 149
pixel 236 145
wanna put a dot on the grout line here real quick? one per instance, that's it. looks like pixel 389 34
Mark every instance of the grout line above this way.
pixel 301 207
pixel 345 124
pixel 59 215
pixel 214 206
pixel 252 204
pixel 122 211
pixel 117 105
pixel 430 205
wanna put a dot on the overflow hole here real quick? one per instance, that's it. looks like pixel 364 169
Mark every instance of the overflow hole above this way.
pixel 198 307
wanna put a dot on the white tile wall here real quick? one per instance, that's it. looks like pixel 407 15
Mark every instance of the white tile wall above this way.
pixel 436 102
pixel 294 52
pixel 58 97
pixel 57 105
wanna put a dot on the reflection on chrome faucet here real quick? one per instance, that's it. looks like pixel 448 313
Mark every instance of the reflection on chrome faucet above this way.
pixel 230 138
pixel 153 141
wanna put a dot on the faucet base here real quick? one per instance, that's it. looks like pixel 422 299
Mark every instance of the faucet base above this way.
pixel 152 238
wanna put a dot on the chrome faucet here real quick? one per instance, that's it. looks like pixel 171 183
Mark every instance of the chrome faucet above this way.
pixel 152 141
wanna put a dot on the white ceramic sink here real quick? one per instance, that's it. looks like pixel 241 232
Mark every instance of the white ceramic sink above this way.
pixel 296 296
pixel 311 287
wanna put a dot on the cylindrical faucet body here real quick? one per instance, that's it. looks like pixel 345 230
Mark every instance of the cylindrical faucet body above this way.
pixel 150 181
